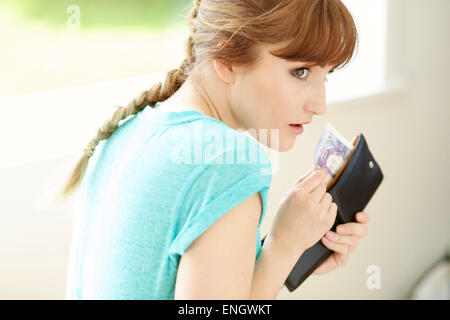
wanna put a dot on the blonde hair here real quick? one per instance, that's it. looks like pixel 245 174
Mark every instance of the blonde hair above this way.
pixel 318 31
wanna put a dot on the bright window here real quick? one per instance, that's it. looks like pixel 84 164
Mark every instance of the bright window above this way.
pixel 365 74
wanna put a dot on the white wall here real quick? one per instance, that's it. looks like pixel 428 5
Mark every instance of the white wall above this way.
pixel 407 132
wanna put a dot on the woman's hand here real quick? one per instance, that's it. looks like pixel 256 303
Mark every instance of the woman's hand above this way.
pixel 343 242
pixel 304 214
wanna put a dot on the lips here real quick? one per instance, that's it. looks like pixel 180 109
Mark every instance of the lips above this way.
pixel 301 123
pixel 296 129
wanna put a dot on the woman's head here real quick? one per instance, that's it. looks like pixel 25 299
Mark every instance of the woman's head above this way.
pixel 280 53
pixel 259 49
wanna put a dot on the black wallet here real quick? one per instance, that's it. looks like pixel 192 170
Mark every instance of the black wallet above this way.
pixel 351 189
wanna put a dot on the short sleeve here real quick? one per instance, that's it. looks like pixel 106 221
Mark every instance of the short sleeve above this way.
pixel 220 186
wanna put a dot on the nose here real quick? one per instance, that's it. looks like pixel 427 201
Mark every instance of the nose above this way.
pixel 317 101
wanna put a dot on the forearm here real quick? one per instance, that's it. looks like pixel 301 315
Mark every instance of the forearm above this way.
pixel 272 268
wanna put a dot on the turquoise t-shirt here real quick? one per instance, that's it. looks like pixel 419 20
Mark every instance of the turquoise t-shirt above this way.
pixel 159 181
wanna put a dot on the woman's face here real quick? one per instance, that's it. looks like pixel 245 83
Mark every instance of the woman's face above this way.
pixel 275 94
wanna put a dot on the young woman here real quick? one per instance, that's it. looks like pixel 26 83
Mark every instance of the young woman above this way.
pixel 164 208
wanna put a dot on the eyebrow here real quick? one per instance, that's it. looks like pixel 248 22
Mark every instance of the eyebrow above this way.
pixel 305 64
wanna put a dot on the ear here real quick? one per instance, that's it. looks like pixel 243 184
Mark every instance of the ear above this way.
pixel 224 70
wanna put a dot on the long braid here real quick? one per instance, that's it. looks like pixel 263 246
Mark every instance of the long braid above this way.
pixel 157 93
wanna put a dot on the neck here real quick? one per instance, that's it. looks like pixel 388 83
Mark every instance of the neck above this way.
pixel 204 91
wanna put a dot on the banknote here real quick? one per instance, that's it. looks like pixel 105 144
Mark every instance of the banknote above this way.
pixel 331 152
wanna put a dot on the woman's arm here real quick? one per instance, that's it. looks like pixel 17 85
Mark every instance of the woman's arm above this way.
pixel 220 263
pixel 272 268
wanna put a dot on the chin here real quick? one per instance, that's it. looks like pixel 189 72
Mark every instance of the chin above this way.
pixel 286 147
pixel 285 143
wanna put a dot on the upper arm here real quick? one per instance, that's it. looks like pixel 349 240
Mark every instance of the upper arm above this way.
pixel 219 264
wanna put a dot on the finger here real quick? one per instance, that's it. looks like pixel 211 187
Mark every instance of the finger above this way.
pixel 333 207
pixel 333 210
pixel 326 199
pixel 314 180
pixel 352 228
pixel 328 206
pixel 304 176
pixel 362 217
pixel 348 240
pixel 340 248
pixel 318 195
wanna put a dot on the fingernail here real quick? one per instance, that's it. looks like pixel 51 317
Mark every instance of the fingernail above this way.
pixel 341 229
pixel 331 235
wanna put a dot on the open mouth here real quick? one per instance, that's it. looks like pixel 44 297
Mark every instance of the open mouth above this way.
pixel 296 128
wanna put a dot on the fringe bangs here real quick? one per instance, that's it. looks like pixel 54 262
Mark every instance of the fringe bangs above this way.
pixel 321 32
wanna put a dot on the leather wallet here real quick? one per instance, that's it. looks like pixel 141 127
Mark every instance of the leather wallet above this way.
pixel 351 189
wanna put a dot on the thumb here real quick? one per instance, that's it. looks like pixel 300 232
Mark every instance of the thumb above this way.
pixel 305 175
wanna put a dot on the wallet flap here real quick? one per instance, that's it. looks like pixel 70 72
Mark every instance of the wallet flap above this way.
pixel 357 182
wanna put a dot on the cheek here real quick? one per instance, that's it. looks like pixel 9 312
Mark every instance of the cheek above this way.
pixel 284 108
pixel 272 96
pixel 267 99
pixel 255 101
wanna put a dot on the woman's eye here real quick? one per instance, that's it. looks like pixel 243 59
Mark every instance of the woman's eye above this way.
pixel 326 77
pixel 303 74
